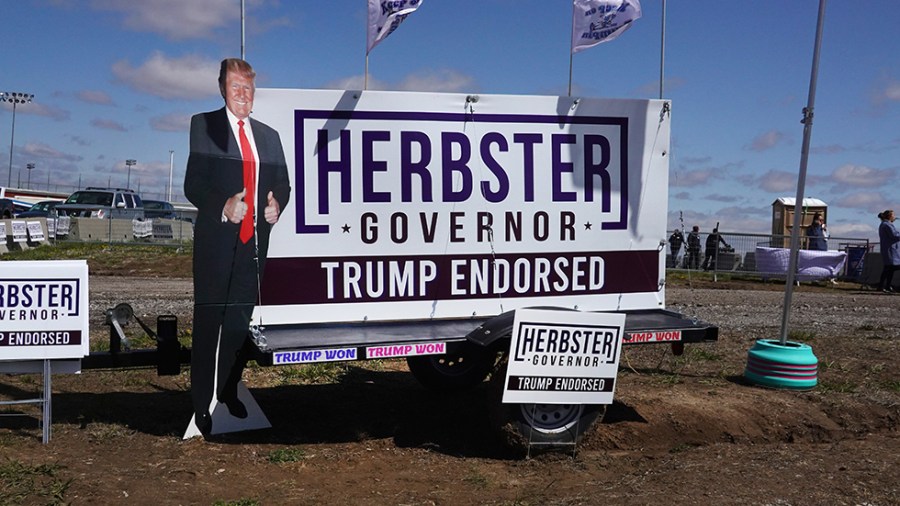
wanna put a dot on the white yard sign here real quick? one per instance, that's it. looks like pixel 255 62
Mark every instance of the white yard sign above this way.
pixel 35 231
pixel 43 310
pixel 424 205
pixel 563 357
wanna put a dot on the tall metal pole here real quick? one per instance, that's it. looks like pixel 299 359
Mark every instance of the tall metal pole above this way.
pixel 662 50
pixel 12 136
pixel 15 98
pixel 171 169
pixel 130 163
pixel 30 168
pixel 242 30
pixel 801 181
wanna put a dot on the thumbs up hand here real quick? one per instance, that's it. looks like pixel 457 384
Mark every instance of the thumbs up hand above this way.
pixel 235 208
pixel 273 210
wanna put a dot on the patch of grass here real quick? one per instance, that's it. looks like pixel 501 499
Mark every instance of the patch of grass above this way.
pixel 476 479
pixel 25 484
pixel 283 455
pixel 106 432
pixel 116 259
pixel 892 385
pixel 801 336
pixel 239 502
pixel 683 447
pixel 704 355
pixel 323 372
pixel 669 379
pixel 841 387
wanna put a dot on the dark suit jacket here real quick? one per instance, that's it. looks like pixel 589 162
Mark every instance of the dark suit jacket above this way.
pixel 223 269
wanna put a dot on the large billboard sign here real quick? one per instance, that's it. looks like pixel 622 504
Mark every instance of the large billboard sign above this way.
pixel 423 205
pixel 43 310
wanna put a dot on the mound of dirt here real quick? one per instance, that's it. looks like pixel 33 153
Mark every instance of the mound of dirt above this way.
pixel 683 430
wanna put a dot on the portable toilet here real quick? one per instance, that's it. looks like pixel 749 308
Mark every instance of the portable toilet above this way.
pixel 783 218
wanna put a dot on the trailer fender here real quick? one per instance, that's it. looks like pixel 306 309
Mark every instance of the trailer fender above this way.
pixel 500 327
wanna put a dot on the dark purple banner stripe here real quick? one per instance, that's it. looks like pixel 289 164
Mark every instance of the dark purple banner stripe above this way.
pixel 349 279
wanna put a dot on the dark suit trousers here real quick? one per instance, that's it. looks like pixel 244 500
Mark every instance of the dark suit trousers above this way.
pixel 223 324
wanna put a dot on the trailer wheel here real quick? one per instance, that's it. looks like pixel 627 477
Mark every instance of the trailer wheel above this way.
pixel 535 428
pixel 464 366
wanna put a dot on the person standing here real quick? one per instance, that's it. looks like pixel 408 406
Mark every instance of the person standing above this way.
pixel 816 236
pixel 676 240
pixel 693 248
pixel 237 178
pixel 712 249
pixel 889 238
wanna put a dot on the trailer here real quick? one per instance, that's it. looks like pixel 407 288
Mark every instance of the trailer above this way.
pixel 451 229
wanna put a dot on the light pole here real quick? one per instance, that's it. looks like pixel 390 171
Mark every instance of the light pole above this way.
pixel 130 163
pixel 30 168
pixel 171 166
pixel 15 98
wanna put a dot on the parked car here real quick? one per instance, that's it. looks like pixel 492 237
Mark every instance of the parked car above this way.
pixel 103 203
pixel 40 210
pixel 159 209
pixel 7 209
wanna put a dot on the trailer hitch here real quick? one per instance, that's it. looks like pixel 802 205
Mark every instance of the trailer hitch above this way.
pixel 168 349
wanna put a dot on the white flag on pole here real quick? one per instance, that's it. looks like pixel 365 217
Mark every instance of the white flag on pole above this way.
pixel 385 16
pixel 596 21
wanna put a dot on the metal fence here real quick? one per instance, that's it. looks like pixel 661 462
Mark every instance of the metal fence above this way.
pixel 766 256
pixel 24 233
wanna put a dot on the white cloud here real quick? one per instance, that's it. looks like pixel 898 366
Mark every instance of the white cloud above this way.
pixel 39 109
pixel 766 141
pixel 188 77
pixel 890 92
pixel 171 122
pixel 94 97
pixel 443 80
pixel 689 178
pixel 860 176
pixel 873 202
pixel 778 181
pixel 175 19
pixel 108 124
pixel 46 152
pixel 440 80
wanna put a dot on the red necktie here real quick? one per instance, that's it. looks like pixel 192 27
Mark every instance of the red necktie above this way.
pixel 249 184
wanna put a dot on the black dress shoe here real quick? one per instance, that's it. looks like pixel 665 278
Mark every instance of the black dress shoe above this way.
pixel 204 423
pixel 235 407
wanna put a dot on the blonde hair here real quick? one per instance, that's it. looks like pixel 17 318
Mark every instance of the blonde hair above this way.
pixel 236 65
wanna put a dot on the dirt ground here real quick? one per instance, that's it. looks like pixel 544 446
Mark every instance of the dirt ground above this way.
pixel 683 430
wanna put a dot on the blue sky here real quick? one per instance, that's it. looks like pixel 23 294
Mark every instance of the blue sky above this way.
pixel 119 79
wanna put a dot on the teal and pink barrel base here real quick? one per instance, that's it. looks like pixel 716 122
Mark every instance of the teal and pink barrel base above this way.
pixel 790 365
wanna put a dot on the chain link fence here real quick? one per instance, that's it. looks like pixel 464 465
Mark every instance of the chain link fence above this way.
pixel 766 256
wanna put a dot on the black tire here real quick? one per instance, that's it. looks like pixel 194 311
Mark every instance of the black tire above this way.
pixel 464 366
pixel 528 429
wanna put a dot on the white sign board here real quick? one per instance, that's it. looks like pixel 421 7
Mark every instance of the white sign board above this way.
pixel 19 231
pixel 51 228
pixel 35 231
pixel 563 357
pixel 62 225
pixel 43 310
pixel 426 205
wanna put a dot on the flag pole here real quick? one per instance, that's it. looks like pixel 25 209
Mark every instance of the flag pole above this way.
pixel 571 48
pixel 662 50
pixel 242 31
pixel 801 181
pixel 366 77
